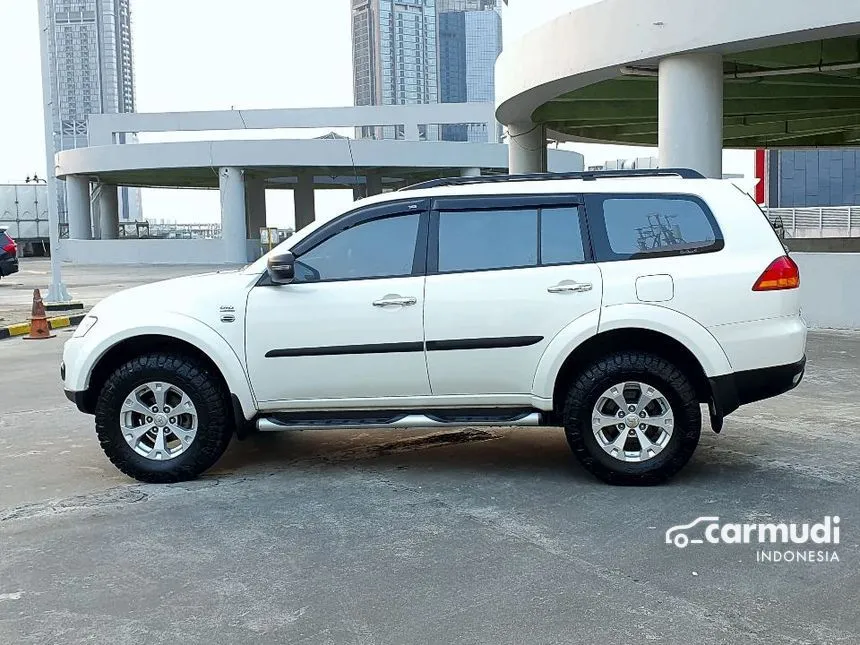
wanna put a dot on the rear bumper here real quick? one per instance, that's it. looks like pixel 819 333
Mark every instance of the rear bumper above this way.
pixel 8 266
pixel 731 391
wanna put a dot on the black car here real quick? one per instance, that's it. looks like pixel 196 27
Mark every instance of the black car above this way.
pixel 8 254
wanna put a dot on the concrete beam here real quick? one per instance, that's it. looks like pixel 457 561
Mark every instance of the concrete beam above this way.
pixel 103 127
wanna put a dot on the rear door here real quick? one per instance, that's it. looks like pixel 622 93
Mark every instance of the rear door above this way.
pixel 505 275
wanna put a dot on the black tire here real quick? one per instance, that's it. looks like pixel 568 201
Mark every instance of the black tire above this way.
pixel 652 370
pixel 205 389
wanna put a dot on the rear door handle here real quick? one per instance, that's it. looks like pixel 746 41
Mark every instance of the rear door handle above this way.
pixel 394 300
pixel 571 286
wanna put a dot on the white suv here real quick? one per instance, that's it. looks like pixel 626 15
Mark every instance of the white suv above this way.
pixel 612 304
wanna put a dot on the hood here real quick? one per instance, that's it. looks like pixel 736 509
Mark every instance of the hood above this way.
pixel 192 295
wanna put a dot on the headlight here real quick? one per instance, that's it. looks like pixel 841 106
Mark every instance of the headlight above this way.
pixel 86 324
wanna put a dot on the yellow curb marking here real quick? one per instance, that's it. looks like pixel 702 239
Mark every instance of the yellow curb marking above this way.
pixel 19 329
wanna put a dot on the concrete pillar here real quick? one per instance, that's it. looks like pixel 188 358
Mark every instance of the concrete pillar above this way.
pixel 374 183
pixel 690 127
pixel 108 212
pixel 470 172
pixel 526 148
pixel 78 205
pixel 255 205
pixel 411 132
pixel 303 197
pixel 233 222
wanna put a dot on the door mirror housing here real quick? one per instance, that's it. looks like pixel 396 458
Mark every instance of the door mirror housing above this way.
pixel 281 268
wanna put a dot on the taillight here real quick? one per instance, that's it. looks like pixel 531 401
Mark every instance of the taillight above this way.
pixel 781 274
pixel 10 246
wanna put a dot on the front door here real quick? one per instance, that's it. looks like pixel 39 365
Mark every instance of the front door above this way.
pixel 350 327
pixel 502 281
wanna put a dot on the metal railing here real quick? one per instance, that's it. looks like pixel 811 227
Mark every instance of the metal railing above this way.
pixel 828 221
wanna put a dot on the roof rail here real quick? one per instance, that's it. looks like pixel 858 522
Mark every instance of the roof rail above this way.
pixel 589 175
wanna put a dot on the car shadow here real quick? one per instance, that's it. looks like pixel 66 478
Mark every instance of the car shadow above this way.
pixel 538 452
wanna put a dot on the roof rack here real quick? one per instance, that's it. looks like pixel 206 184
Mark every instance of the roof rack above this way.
pixel 590 175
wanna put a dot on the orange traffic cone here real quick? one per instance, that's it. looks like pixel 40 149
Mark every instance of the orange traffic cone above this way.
pixel 39 327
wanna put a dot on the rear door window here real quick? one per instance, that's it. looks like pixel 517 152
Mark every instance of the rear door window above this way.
pixel 489 239
pixel 509 238
pixel 561 236
pixel 629 227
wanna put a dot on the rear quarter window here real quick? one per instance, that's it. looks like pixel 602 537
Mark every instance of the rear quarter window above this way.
pixel 629 227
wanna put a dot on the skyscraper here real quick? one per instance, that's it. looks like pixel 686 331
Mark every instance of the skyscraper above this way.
pixel 394 46
pixel 425 51
pixel 90 71
pixel 470 40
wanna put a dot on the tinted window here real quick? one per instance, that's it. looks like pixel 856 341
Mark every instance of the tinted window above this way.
pixel 379 248
pixel 640 226
pixel 561 236
pixel 475 240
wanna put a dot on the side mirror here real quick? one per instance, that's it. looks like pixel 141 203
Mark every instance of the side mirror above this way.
pixel 281 268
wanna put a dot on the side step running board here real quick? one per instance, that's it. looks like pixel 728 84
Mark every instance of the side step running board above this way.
pixel 273 424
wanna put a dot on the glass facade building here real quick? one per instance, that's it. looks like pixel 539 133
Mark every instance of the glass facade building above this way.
pixel 90 71
pixel 425 51
pixel 821 177
pixel 394 58
pixel 470 40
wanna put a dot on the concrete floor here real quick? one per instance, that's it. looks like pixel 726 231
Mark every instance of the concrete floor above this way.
pixel 87 284
pixel 493 536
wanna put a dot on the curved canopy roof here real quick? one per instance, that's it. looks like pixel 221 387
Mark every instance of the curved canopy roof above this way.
pixel 792 73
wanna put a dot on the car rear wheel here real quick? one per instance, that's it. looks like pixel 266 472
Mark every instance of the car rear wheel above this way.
pixel 632 418
pixel 163 418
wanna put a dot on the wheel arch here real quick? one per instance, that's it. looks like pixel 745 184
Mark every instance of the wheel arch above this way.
pixel 631 339
pixel 201 342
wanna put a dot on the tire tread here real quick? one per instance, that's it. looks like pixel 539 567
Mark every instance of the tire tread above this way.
pixel 577 415
pixel 208 393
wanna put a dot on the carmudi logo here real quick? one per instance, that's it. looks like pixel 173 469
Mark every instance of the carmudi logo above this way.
pixel 709 530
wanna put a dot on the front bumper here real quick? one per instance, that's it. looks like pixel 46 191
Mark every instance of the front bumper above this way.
pixel 79 399
pixel 75 390
pixel 731 391
pixel 8 266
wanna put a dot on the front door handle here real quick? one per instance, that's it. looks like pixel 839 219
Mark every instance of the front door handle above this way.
pixel 395 300
pixel 571 286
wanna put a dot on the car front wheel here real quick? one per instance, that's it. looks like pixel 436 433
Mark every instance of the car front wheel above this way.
pixel 163 418
pixel 632 418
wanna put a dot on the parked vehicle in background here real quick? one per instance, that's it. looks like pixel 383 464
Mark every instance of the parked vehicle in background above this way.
pixel 8 254
pixel 613 304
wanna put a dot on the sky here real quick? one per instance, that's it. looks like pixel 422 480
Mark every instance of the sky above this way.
pixel 188 55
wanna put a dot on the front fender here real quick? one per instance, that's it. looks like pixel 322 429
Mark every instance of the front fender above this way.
pixel 81 355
